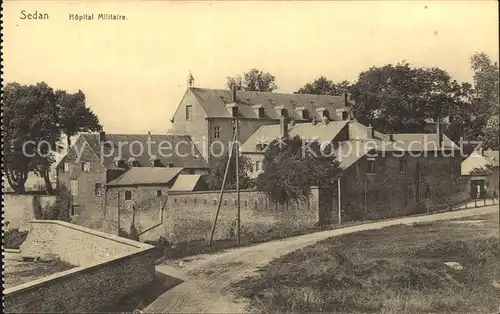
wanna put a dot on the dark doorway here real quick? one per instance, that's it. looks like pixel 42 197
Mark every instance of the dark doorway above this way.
pixel 476 189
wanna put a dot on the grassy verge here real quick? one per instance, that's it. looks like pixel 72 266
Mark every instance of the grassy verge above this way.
pixel 167 251
pixel 399 269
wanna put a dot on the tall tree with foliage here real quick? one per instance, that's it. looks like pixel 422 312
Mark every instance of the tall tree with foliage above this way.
pixel 324 86
pixel 216 175
pixel 486 109
pixel 30 120
pixel 74 115
pixel 253 80
pixel 291 167
pixel 400 98
pixel 34 118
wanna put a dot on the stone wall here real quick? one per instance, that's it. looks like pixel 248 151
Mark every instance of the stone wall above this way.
pixel 188 216
pixel 426 181
pixel 109 269
pixel 18 210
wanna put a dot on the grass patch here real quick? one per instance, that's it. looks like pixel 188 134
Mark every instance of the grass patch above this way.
pixel 399 269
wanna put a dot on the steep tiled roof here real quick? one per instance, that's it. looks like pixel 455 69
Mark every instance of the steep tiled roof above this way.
pixel 214 103
pixel 478 160
pixel 186 182
pixel 319 132
pixel 130 147
pixel 351 151
pixel 145 176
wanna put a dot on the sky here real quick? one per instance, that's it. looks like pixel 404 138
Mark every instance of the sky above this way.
pixel 134 71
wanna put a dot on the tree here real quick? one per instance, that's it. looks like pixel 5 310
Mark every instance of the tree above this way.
pixel 253 80
pixel 486 109
pixel 57 211
pixel 217 174
pixel 61 208
pixel 37 207
pixel 324 86
pixel 34 118
pixel 291 169
pixel 30 131
pixel 490 137
pixel 400 99
pixel 74 115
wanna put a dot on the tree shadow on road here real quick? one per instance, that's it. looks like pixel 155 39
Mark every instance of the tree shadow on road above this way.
pixel 145 296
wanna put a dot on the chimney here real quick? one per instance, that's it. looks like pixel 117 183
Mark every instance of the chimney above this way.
pixel 369 132
pixel 149 136
pixel 233 95
pixel 102 137
pixel 346 99
pixel 283 127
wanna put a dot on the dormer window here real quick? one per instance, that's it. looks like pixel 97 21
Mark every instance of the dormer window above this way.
pixel 323 113
pixel 259 110
pixel 261 146
pixel 233 109
pixel 120 163
pixel 303 113
pixel 132 162
pixel 155 162
pixel 342 114
pixel 281 111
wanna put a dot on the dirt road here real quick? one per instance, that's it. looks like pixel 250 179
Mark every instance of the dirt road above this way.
pixel 207 278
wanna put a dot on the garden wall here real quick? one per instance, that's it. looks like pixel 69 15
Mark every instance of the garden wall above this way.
pixel 188 216
pixel 109 268
pixel 18 210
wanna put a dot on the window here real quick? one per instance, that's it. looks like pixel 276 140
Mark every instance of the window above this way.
pixel 345 115
pixel 402 166
pixel 171 165
pixel 189 112
pixel 74 210
pixel 74 187
pixel 216 131
pixel 371 166
pixel 128 195
pixel 97 189
pixel 66 167
pixel 257 165
pixel 86 166
pixel 158 193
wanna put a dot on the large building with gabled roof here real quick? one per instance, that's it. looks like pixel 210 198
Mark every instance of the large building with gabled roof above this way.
pixel 207 114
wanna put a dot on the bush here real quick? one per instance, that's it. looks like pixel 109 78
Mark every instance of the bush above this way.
pixel 13 238
pixel 37 207
pixel 57 211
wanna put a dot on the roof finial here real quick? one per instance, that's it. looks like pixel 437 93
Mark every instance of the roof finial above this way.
pixel 190 80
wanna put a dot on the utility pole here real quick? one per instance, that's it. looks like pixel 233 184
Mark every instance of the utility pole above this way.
pixel 236 136
pixel 221 192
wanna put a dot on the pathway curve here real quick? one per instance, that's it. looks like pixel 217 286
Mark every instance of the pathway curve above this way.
pixel 207 278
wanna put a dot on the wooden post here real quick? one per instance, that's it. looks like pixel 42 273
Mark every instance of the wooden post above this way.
pixel 221 194
pixel 238 231
pixel 339 200
pixel 118 213
pixel 365 196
